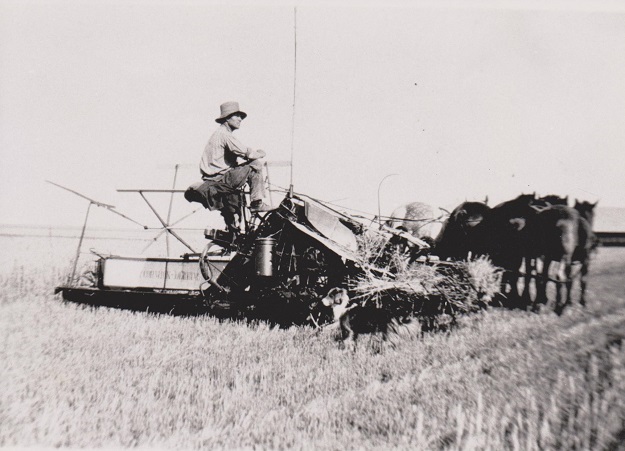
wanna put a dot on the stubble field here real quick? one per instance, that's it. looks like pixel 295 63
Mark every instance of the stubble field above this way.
pixel 75 376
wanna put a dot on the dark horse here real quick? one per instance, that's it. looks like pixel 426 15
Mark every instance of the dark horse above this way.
pixel 475 229
pixel 511 229
pixel 586 210
pixel 465 232
pixel 564 235
pixel 532 251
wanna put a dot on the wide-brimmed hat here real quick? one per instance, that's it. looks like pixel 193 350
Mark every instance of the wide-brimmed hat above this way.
pixel 228 109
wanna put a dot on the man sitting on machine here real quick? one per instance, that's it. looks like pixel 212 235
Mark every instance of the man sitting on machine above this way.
pixel 223 176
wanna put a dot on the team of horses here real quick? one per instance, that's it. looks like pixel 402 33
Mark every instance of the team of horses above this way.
pixel 526 237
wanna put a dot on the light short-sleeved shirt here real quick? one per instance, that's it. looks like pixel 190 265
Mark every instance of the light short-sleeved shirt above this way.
pixel 221 152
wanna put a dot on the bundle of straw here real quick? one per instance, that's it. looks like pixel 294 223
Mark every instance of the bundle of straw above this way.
pixel 425 290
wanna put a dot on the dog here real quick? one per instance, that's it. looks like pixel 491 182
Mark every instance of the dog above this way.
pixel 355 318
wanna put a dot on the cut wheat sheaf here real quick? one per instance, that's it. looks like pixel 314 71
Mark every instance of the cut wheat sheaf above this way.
pixel 423 288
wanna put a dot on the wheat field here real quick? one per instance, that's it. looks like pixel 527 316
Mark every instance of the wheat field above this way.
pixel 83 377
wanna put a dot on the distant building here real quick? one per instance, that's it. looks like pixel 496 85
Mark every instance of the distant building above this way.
pixel 609 219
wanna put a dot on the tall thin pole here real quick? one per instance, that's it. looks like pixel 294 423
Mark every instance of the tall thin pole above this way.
pixel 379 206
pixel 82 235
pixel 171 202
pixel 294 92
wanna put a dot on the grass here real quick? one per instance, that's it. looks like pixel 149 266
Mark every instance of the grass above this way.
pixel 80 377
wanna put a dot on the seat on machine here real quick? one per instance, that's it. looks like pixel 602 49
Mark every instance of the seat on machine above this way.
pixel 217 196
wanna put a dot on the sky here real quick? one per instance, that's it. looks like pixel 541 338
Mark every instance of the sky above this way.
pixel 374 103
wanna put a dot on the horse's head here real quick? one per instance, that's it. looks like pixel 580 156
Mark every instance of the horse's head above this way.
pixel 524 199
pixel 470 214
pixel 586 210
pixel 523 206
pixel 521 201
pixel 554 199
pixel 463 231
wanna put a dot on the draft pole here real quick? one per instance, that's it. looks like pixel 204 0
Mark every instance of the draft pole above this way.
pixel 294 92
pixel 82 235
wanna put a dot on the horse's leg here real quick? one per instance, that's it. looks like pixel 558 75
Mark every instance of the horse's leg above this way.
pixel 541 295
pixel 540 265
pixel 569 281
pixel 538 283
pixel 513 280
pixel 529 269
pixel 514 276
pixel 560 279
pixel 504 288
pixel 582 281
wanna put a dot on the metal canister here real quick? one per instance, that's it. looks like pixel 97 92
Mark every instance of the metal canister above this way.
pixel 263 256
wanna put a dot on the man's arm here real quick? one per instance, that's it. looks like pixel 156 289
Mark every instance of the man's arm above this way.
pixel 239 149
